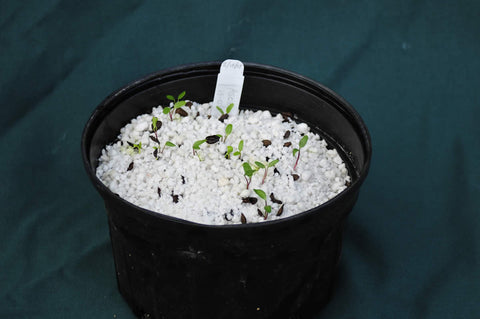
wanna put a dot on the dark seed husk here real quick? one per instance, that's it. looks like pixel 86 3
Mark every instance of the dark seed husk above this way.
pixel 223 117
pixel 243 219
pixel 183 179
pixel 287 144
pixel 287 134
pixel 131 144
pixel 130 167
pixel 280 210
pixel 212 139
pixel 189 104
pixel 175 198
pixel 182 112
pixel 159 125
pixel 286 116
pixel 159 191
pixel 260 213
pixel 155 153
pixel 275 170
pixel 295 177
pixel 266 143
pixel 273 199
pixel 251 200
pixel 155 139
pixel 348 184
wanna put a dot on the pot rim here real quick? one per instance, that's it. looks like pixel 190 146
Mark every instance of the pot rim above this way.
pixel 278 73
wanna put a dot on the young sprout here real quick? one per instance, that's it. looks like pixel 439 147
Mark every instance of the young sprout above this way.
pixel 262 195
pixel 224 115
pixel 248 173
pixel 228 130
pixel 135 147
pixel 177 103
pixel 156 124
pixel 196 147
pixel 229 151
pixel 167 143
pixel 261 165
pixel 301 144
pixel 240 149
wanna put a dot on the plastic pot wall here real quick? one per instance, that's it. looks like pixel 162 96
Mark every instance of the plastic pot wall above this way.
pixel 171 268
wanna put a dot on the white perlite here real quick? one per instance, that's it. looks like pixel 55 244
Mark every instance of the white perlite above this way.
pixel 210 190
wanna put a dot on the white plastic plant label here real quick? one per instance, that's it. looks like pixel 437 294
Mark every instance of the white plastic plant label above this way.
pixel 229 87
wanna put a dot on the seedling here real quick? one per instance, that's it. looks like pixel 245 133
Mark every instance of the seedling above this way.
pixel 266 166
pixel 228 131
pixel 229 151
pixel 240 149
pixel 196 147
pixel 177 103
pixel 157 148
pixel 262 195
pixel 296 151
pixel 248 173
pixel 136 147
pixel 229 108
pixel 156 124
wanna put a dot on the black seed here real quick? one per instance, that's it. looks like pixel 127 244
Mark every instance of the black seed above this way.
pixel 189 104
pixel 182 112
pixel 275 170
pixel 155 139
pixel 131 144
pixel 280 210
pixel 155 153
pixel 276 201
pixel 198 114
pixel 174 198
pixel 267 158
pixel 287 144
pixel 251 200
pixel 209 116
pixel 287 134
pixel 117 194
pixel 295 177
pixel 130 167
pixel 223 117
pixel 159 191
pixel 348 184
pixel 243 219
pixel 260 213
pixel 212 139
pixel 266 142
pixel 183 179
pixel 286 116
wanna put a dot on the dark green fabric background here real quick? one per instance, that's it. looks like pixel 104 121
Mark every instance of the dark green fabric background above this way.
pixel 410 68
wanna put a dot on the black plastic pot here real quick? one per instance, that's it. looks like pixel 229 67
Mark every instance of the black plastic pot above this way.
pixel 171 268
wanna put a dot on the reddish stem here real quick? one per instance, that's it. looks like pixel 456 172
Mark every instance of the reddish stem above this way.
pixel 248 181
pixel 296 162
pixel 265 175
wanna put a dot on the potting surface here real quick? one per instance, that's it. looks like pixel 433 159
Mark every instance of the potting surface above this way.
pixel 411 246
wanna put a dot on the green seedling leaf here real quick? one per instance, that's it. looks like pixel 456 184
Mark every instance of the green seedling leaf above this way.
pixel 220 110
pixel 166 110
pixel 179 104
pixel 229 108
pixel 196 145
pixel 303 141
pixel 268 209
pixel 168 143
pixel 171 98
pixel 248 169
pixel 154 123
pixel 236 153
pixel 273 163
pixel 228 129
pixel 181 95
pixel 259 164
pixel 240 146
pixel 229 149
pixel 295 150
pixel 261 194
